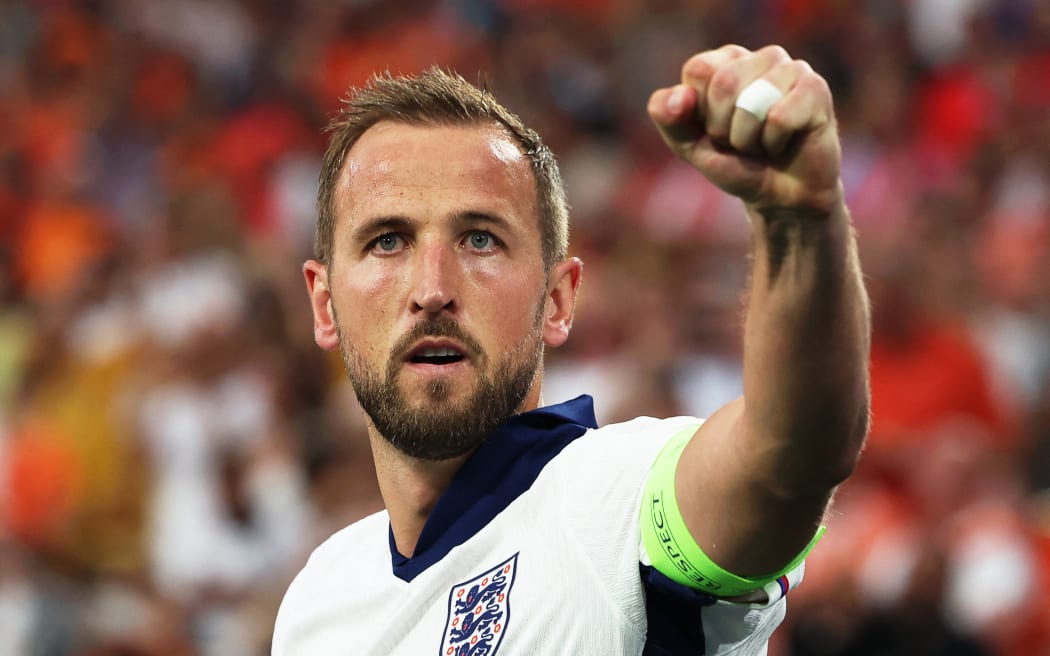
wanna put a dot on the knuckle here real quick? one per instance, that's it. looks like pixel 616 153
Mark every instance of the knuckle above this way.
pixel 723 85
pixel 808 78
pixel 775 53
pixel 698 66
pixel 693 62
pixel 734 50
pixel 816 85
pixel 823 85
pixel 777 118
pixel 802 67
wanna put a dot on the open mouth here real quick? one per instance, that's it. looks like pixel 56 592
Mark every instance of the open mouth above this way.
pixel 436 355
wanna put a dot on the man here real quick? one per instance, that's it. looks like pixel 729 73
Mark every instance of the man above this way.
pixel 514 528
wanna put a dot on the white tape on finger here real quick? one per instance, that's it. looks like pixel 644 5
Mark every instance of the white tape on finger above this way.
pixel 758 97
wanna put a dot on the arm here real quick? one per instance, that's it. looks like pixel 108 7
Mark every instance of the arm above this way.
pixel 754 481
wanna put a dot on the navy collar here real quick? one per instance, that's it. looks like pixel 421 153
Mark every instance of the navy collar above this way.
pixel 495 475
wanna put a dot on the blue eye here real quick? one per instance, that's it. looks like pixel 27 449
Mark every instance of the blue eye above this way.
pixel 480 240
pixel 388 242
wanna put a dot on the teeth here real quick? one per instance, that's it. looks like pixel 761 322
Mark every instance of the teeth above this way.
pixel 438 352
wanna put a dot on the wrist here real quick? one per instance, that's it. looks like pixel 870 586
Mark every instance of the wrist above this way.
pixel 817 206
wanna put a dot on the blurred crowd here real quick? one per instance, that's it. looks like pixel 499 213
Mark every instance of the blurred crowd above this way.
pixel 173 444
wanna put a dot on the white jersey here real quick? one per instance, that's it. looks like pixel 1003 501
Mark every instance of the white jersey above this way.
pixel 533 549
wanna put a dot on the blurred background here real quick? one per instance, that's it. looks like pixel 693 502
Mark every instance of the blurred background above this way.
pixel 173 444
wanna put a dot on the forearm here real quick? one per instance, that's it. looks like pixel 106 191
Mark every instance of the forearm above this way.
pixel 766 464
pixel 806 350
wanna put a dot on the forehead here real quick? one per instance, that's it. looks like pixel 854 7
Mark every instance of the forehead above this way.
pixel 396 163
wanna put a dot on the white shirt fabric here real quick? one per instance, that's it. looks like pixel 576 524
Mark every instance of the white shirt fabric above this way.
pixel 555 571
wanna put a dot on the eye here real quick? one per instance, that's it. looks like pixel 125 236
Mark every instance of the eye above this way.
pixel 388 243
pixel 481 240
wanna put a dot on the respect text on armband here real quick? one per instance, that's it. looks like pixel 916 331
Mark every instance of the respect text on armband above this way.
pixel 669 545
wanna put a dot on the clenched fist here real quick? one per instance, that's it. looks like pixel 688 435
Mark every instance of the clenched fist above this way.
pixel 788 160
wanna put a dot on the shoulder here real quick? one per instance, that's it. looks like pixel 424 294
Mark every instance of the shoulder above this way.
pixel 645 427
pixel 617 454
pixel 337 562
pixel 598 479
pixel 355 541
pixel 640 438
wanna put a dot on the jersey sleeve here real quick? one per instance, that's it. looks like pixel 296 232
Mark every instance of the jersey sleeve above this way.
pixel 672 550
pixel 685 590
pixel 602 476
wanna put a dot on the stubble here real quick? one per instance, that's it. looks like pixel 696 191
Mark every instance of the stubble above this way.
pixel 438 428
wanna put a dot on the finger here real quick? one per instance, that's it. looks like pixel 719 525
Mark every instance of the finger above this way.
pixel 753 104
pixel 727 83
pixel 699 69
pixel 673 110
pixel 745 128
pixel 806 107
pixel 672 105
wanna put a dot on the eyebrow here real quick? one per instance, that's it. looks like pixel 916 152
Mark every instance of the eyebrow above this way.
pixel 380 224
pixel 473 217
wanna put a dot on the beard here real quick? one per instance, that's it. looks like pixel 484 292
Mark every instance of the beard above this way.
pixel 438 428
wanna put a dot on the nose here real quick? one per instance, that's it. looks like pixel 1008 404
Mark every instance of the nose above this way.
pixel 434 290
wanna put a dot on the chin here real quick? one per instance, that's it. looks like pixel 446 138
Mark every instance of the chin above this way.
pixel 438 391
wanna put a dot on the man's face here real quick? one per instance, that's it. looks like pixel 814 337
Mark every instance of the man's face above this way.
pixel 438 297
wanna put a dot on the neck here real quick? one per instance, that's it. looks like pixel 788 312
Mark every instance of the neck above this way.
pixel 410 488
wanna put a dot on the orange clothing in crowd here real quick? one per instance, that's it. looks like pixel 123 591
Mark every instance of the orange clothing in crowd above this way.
pixel 933 375
pixel 57 241
pixel 42 477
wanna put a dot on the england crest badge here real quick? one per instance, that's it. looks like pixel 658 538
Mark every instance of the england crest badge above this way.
pixel 479 611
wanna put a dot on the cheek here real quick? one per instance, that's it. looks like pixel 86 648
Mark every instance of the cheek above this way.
pixel 509 300
pixel 366 306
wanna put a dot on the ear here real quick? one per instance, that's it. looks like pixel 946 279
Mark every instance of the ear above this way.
pixel 325 333
pixel 561 300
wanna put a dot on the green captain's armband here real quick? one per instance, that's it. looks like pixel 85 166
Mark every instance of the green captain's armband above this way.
pixel 672 549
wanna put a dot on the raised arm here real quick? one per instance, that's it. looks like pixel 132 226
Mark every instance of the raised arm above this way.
pixel 754 482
